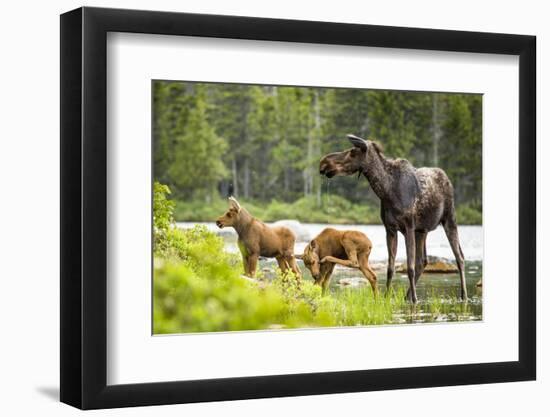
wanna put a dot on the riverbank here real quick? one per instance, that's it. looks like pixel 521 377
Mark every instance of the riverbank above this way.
pixel 333 209
pixel 198 284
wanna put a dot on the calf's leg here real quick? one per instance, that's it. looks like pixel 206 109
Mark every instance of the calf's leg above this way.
pixel 245 266
pixel 369 274
pixel 351 252
pixel 252 262
pixel 283 266
pixel 326 273
pixel 344 262
pixel 294 267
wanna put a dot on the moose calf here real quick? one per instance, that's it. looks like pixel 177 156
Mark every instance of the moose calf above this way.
pixel 257 239
pixel 347 248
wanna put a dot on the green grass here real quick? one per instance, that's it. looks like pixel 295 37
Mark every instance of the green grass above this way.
pixel 198 287
pixel 359 307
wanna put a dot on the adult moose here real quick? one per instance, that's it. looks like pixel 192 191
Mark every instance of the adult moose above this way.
pixel 413 202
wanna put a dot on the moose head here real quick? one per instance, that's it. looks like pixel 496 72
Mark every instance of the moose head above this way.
pixel 351 161
pixel 311 259
pixel 231 216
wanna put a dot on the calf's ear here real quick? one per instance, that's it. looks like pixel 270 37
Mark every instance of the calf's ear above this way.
pixel 358 142
pixel 299 256
pixel 234 203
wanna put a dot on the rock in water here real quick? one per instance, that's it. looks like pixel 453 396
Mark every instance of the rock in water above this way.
pixel 353 282
pixel 441 268
pixel 378 266
pixel 436 265
pixel 301 232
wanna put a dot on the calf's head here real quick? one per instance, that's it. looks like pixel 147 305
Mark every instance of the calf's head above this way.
pixel 311 259
pixel 348 162
pixel 231 216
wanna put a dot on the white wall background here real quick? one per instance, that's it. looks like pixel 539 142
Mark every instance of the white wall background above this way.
pixel 29 219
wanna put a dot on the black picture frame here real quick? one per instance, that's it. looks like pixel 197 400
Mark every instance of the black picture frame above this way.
pixel 84 207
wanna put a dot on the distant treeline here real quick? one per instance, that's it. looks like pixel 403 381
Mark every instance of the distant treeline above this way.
pixel 263 143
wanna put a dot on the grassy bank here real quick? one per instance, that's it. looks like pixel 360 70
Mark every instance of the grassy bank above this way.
pixel 306 210
pixel 199 287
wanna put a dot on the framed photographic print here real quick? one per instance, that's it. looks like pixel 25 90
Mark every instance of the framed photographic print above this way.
pixel 257 207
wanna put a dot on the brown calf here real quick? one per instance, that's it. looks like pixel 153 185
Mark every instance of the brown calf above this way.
pixel 257 239
pixel 347 248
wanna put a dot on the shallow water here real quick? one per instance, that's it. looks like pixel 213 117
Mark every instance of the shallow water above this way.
pixel 438 294
pixel 471 239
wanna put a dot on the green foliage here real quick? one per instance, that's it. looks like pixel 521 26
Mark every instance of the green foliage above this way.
pixel 199 288
pixel 197 153
pixel 469 214
pixel 213 297
pixel 162 216
pixel 359 307
pixel 335 210
pixel 263 144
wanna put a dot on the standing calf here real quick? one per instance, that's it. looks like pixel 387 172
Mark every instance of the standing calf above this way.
pixel 347 248
pixel 257 239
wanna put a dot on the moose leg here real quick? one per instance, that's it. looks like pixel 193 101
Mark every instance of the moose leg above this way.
pixel 391 242
pixel 294 267
pixel 283 266
pixel 245 266
pixel 425 253
pixel 451 230
pixel 344 262
pixel 326 273
pixel 411 260
pixel 252 262
pixel 351 252
pixel 420 240
pixel 369 274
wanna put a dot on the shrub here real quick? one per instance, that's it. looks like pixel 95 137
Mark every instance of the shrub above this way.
pixel 336 210
pixel 162 216
pixel 469 214
pixel 201 290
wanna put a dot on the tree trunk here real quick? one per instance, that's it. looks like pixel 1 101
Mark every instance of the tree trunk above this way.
pixel 436 129
pixel 235 178
pixel 246 185
pixel 286 181
pixel 308 176
pixel 316 147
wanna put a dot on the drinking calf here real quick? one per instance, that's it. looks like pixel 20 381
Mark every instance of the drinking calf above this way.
pixel 347 248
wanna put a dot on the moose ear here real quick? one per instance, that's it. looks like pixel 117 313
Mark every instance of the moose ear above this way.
pixel 313 244
pixel 234 203
pixel 358 142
